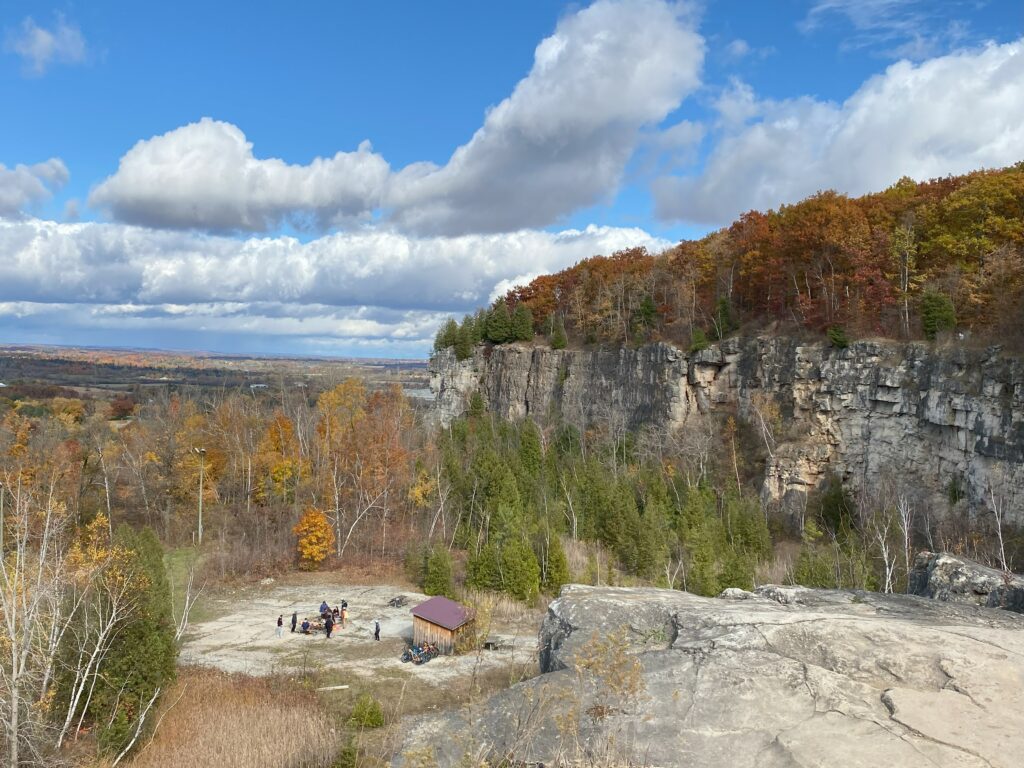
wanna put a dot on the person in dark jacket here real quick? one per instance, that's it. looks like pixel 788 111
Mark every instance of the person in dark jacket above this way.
pixel 295 619
pixel 280 625
pixel 376 629
pixel 329 624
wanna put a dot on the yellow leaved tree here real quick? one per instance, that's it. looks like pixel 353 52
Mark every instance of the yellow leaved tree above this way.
pixel 315 537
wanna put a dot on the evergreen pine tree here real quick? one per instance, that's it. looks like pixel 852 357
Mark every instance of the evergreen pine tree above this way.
pixel 520 571
pixel 142 656
pixel 480 325
pixel 446 335
pixel 647 313
pixel 937 314
pixel 463 342
pixel 698 340
pixel 655 526
pixel 556 567
pixel 499 323
pixel 438 577
pixel 483 570
pixel 724 322
pixel 559 340
pixel 703 543
pixel 531 455
pixel 522 323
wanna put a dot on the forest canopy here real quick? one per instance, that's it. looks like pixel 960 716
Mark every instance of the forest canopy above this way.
pixel 912 261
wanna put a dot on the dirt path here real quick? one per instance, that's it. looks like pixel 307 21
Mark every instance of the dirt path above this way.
pixel 241 636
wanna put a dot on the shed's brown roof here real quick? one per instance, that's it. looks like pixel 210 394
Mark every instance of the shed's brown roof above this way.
pixel 443 612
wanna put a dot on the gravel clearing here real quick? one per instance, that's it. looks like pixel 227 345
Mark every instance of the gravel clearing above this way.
pixel 242 636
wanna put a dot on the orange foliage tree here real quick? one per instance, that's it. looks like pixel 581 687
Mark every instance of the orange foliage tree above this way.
pixel 830 260
pixel 314 538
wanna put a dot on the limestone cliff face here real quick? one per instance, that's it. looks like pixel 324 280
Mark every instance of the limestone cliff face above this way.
pixel 927 416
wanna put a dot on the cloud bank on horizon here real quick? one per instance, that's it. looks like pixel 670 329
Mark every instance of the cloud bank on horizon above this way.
pixel 197 234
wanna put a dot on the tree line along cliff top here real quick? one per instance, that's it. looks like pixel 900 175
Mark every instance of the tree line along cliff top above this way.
pixel 912 261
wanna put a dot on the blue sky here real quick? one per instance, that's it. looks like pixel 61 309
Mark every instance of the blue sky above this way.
pixel 194 175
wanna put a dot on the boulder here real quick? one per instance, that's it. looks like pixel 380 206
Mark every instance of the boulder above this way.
pixel 944 577
pixel 779 677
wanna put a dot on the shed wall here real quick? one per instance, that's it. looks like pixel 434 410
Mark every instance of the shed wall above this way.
pixel 423 631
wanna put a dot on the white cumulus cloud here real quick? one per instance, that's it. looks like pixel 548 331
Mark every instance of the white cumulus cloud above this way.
pixel 204 175
pixel 25 185
pixel 562 140
pixel 559 142
pixel 361 285
pixel 950 114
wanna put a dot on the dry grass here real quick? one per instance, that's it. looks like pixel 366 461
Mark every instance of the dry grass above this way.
pixel 778 570
pixel 590 563
pixel 501 609
pixel 216 720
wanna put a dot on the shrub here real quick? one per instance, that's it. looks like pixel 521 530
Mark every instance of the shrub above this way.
pixel 698 340
pixel 837 337
pixel 367 713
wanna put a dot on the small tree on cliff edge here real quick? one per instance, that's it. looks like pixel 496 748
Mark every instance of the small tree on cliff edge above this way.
pixel 937 314
pixel 315 538
pixel 522 323
pixel 499 323
pixel 559 340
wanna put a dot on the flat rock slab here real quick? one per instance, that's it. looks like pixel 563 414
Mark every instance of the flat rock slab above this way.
pixel 787 677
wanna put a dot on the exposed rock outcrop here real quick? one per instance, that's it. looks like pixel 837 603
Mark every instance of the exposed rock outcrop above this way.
pixel 934 417
pixel 944 577
pixel 784 677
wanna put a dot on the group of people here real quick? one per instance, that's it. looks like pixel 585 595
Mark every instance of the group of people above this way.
pixel 329 619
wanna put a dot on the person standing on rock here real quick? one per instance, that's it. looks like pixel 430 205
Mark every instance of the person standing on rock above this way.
pixel 280 625
pixel 329 624
pixel 295 619
pixel 376 629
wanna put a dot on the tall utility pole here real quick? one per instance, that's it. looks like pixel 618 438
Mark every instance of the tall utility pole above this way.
pixel 201 453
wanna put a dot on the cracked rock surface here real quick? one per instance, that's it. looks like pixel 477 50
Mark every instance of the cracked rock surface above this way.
pixel 780 677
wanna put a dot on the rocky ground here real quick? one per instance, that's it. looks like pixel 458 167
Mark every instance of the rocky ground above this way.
pixel 942 576
pixel 235 632
pixel 784 677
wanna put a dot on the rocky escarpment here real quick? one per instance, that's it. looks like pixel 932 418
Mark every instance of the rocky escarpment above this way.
pixel 784 677
pixel 942 576
pixel 933 418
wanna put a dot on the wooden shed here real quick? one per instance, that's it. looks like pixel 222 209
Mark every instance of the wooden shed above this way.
pixel 439 621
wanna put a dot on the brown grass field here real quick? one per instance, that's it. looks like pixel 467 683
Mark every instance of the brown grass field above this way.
pixel 211 718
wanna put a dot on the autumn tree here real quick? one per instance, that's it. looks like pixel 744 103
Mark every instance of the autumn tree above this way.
pixel 314 538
